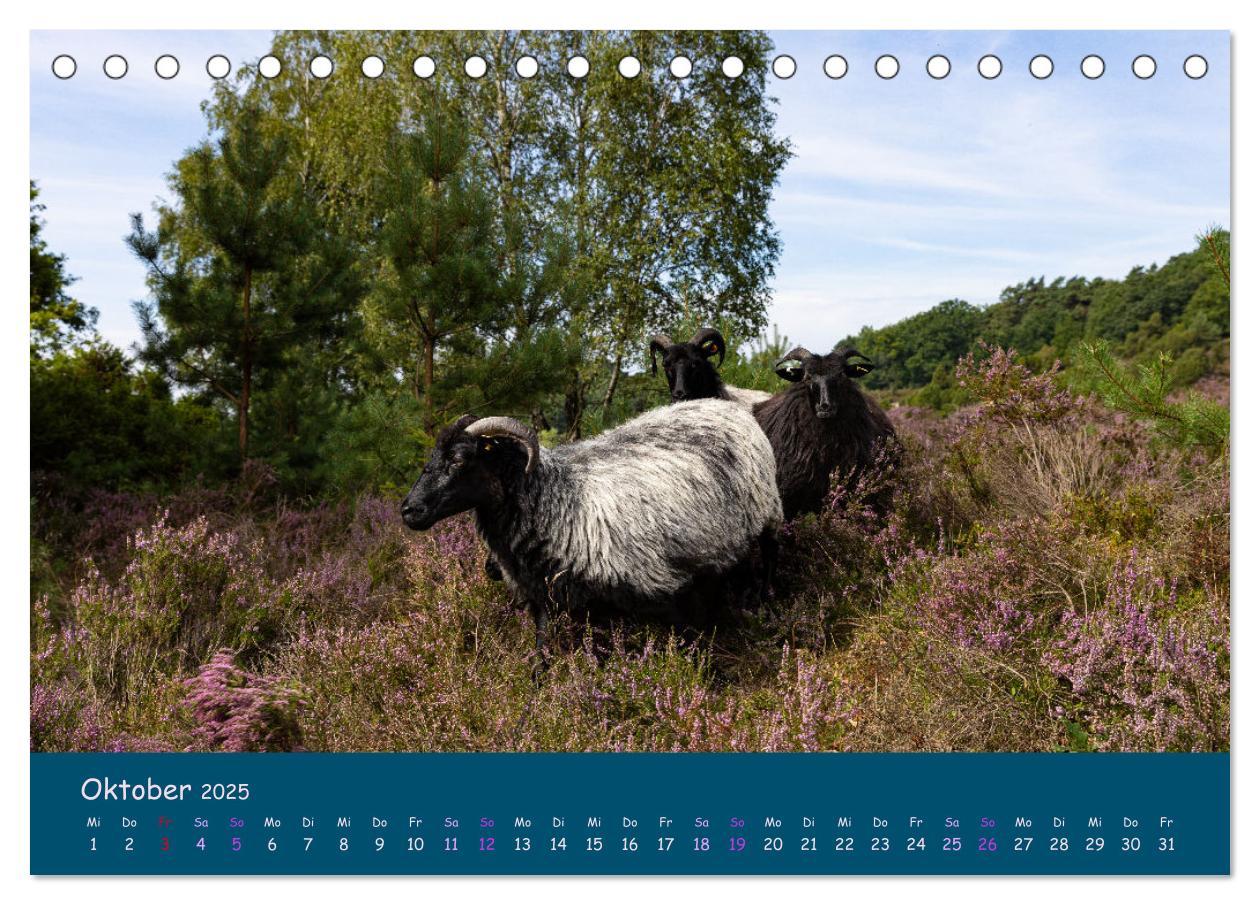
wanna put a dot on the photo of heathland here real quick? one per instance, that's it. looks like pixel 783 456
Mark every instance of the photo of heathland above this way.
pixel 629 391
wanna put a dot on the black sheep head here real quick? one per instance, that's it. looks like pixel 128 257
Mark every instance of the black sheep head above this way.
pixel 688 368
pixel 829 377
pixel 474 462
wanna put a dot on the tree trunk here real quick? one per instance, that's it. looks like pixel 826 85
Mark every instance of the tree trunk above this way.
pixel 417 378
pixel 247 369
pixel 612 385
pixel 428 383
pixel 574 406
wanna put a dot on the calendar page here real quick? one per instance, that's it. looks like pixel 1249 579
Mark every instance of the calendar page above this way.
pixel 630 452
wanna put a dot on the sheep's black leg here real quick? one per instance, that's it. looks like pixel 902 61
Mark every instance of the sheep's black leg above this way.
pixel 542 621
pixel 493 572
pixel 769 542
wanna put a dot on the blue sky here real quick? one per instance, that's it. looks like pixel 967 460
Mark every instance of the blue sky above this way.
pixel 903 192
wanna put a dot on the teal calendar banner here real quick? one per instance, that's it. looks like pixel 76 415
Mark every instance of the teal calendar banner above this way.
pixel 630 814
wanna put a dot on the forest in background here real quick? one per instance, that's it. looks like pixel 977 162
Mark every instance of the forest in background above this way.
pixel 346 265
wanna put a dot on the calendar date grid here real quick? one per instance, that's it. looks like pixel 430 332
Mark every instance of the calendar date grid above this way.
pixel 487 836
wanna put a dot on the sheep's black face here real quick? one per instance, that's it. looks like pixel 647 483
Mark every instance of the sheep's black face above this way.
pixel 690 373
pixel 829 378
pixel 461 474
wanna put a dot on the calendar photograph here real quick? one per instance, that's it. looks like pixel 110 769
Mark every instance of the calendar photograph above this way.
pixel 630 392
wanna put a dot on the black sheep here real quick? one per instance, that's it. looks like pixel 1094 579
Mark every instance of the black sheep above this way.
pixel 823 423
pixel 690 372
pixel 631 521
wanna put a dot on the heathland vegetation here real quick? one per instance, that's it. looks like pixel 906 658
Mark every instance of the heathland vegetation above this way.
pixel 217 557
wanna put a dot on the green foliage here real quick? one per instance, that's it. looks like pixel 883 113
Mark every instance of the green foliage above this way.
pixel 1143 391
pixel 908 353
pixel 942 393
pixel 499 245
pixel 56 319
pixel 240 270
pixel 437 280
pixel 614 203
pixel 377 443
pixel 1178 311
pixel 99 424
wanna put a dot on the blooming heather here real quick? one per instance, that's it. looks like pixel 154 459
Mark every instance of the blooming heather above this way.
pixel 1047 578
pixel 236 710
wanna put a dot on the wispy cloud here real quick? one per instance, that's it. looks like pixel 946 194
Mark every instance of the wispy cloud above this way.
pixel 908 192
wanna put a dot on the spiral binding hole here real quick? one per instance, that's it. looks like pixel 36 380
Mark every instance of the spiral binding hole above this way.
pixel 1144 66
pixel 938 66
pixel 887 66
pixel 1041 66
pixel 115 66
pixel 218 66
pixel 64 66
pixel 835 66
pixel 166 66
pixel 527 67
pixel 1092 66
pixel 424 67
pixel 321 67
pixel 783 67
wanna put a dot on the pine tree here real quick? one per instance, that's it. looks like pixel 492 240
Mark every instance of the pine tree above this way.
pixel 437 283
pixel 1144 390
pixel 230 267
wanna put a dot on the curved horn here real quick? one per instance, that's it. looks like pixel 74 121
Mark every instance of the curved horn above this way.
pixel 855 363
pixel 801 354
pixel 659 343
pixel 512 429
pixel 708 334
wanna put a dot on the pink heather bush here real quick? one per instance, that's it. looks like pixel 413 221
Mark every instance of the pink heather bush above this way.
pixel 661 696
pixel 985 597
pixel 1146 672
pixel 1047 577
pixel 63 720
pixel 186 591
pixel 236 710
pixel 1010 392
